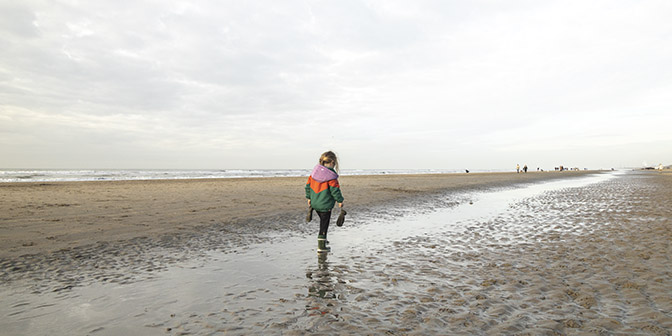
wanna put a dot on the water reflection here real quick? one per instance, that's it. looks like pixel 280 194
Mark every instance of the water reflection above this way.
pixel 326 291
pixel 322 282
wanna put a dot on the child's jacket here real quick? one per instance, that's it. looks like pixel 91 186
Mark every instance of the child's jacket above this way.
pixel 322 189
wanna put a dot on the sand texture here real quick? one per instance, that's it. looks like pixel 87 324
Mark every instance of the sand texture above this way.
pixel 47 217
pixel 588 260
pixel 593 261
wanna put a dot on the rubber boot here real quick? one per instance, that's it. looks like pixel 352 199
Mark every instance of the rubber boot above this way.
pixel 309 216
pixel 322 244
pixel 341 217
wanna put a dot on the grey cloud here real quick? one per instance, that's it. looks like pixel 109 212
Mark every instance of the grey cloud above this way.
pixel 359 25
pixel 243 77
pixel 17 20
pixel 83 68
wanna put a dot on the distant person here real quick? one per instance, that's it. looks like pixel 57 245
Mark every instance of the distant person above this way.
pixel 517 168
pixel 525 168
pixel 323 192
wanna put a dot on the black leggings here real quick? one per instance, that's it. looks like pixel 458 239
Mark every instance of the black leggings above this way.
pixel 324 222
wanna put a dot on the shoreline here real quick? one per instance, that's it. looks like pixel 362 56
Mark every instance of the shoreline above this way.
pixel 46 217
pixel 89 175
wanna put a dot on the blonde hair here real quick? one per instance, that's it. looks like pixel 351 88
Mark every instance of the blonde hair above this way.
pixel 329 157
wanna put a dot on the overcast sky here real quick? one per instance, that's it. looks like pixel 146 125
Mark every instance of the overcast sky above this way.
pixel 385 84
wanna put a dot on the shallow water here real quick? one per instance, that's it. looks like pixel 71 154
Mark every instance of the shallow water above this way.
pixel 456 269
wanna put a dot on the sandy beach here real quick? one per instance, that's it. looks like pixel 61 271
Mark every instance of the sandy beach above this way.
pixel 464 254
pixel 47 217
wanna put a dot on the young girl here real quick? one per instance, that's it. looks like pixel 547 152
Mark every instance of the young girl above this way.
pixel 323 192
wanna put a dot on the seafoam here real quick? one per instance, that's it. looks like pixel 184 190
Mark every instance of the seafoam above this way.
pixel 64 175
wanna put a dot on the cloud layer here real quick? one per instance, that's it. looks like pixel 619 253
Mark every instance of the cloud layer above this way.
pixel 265 84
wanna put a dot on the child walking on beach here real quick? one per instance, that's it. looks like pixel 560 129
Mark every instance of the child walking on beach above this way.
pixel 323 192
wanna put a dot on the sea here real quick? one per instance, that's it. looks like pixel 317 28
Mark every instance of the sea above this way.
pixel 67 175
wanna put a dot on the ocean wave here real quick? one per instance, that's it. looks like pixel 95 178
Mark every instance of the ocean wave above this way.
pixel 65 175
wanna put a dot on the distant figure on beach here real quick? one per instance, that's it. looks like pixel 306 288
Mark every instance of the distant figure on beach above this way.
pixel 525 168
pixel 517 168
pixel 322 192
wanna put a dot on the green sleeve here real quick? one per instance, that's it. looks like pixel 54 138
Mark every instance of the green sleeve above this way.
pixel 336 193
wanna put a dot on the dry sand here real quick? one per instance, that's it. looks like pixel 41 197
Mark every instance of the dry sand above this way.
pixel 46 217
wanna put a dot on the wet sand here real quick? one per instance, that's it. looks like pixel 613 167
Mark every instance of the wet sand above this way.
pixel 593 259
pixel 47 217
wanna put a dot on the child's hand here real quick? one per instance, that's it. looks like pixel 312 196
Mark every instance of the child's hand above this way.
pixel 308 202
pixel 340 205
